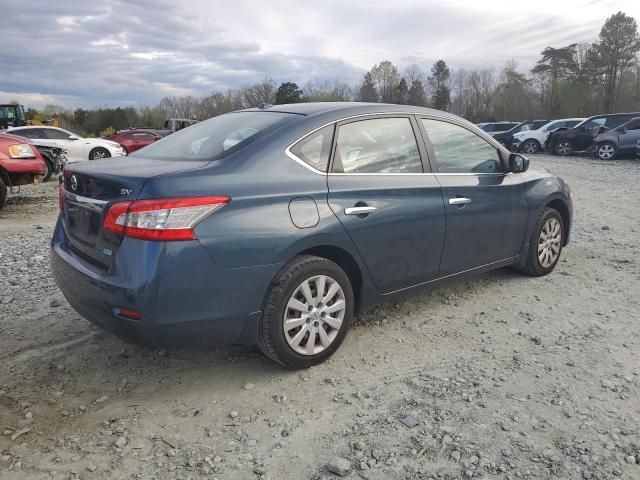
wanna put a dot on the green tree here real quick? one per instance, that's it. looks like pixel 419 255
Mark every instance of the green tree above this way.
pixel 614 53
pixel 417 95
pixel 401 93
pixel 557 63
pixel 368 92
pixel 288 92
pixel 385 76
pixel 439 76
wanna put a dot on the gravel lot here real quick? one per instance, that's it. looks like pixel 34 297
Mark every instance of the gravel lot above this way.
pixel 503 376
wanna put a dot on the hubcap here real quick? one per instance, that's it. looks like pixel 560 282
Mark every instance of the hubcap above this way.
pixel 314 314
pixel 564 148
pixel 549 242
pixel 530 147
pixel 605 152
pixel 99 154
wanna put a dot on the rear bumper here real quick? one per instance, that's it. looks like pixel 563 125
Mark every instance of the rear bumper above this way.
pixel 184 297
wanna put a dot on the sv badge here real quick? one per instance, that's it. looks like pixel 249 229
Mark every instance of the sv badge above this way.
pixel 125 191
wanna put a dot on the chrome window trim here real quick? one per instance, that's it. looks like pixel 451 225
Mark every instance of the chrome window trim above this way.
pixel 298 160
pixel 80 199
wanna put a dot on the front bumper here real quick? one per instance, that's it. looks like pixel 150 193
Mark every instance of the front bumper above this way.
pixel 184 297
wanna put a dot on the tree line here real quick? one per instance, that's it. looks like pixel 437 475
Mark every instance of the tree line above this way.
pixel 575 80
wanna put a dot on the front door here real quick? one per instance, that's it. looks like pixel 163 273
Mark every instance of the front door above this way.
pixel 628 140
pixel 486 208
pixel 72 144
pixel 390 208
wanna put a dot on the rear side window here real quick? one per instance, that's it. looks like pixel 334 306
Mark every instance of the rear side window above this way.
pixel 28 132
pixel 217 137
pixel 459 150
pixel 379 145
pixel 53 134
pixel 315 149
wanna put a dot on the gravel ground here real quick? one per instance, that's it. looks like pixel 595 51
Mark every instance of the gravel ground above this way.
pixel 502 376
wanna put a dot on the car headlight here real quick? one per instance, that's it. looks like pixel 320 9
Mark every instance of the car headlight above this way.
pixel 21 150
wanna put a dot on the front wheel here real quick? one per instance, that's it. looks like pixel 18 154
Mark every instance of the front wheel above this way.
pixel 530 147
pixel 307 312
pixel 563 148
pixel 99 153
pixel 49 172
pixel 606 151
pixel 545 244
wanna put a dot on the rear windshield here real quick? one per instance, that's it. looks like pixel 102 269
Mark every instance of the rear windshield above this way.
pixel 216 137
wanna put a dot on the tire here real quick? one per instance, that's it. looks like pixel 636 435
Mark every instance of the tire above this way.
pixel 548 219
pixel 285 291
pixel 3 193
pixel 563 148
pixel 606 151
pixel 99 153
pixel 49 171
pixel 530 147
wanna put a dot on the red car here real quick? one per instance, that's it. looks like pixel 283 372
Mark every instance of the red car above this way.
pixel 20 164
pixel 132 140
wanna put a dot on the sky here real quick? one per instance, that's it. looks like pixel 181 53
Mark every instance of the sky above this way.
pixel 84 53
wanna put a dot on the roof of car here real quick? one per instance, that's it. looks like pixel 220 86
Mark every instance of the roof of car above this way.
pixel 33 126
pixel 315 108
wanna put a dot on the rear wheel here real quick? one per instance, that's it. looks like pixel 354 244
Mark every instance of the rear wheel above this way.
pixel 530 146
pixel 99 153
pixel 545 244
pixel 307 313
pixel 3 193
pixel 606 151
pixel 563 148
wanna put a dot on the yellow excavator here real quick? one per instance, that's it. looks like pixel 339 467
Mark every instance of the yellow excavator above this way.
pixel 12 115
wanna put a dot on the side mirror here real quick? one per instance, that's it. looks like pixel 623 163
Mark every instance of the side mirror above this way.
pixel 518 163
pixel 73 137
pixel 622 130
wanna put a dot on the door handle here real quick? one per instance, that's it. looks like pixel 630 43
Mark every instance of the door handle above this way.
pixel 359 210
pixel 459 201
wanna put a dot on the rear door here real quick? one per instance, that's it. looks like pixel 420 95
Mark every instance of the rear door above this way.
pixel 486 207
pixel 391 209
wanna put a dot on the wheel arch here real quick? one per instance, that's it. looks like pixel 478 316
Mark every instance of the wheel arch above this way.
pixel 563 209
pixel 346 262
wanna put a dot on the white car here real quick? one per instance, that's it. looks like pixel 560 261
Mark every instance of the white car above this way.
pixel 532 141
pixel 77 148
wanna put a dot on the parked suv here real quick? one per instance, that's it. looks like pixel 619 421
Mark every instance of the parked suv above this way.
pixel 619 141
pixel 580 137
pixel 506 138
pixel 532 141
pixel 20 164
pixel 273 226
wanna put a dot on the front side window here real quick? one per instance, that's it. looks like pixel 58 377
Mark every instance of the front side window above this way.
pixel 379 145
pixel 594 122
pixel 216 137
pixel 315 149
pixel 633 125
pixel 459 150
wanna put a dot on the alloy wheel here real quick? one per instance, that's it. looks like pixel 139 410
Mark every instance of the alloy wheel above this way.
pixel 99 155
pixel 314 315
pixel 530 146
pixel 606 151
pixel 549 242
pixel 564 148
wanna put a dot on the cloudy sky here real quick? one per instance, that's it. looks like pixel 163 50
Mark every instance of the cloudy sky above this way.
pixel 116 52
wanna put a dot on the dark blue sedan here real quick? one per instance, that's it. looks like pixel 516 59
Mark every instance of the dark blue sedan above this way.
pixel 272 226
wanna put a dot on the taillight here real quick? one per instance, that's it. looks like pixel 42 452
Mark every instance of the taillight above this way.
pixel 161 219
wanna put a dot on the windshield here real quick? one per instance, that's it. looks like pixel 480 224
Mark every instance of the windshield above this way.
pixel 214 138
pixel 591 122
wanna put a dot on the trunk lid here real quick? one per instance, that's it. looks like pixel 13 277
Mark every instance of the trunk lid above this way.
pixel 90 188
